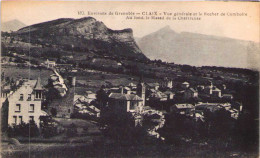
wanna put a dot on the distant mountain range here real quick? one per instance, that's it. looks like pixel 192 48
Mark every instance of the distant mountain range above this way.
pixel 199 50
pixel 12 25
pixel 83 35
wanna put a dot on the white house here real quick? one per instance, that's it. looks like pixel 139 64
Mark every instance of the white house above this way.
pixel 50 64
pixel 184 109
pixel 25 103
pixel 190 93
pixel 185 85
pixel 119 102
pixel 216 92
pixel 166 83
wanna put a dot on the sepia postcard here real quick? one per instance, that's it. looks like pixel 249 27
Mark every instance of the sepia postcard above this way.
pixel 129 79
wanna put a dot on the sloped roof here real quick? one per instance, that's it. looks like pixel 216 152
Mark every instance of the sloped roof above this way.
pixel 153 84
pixel 43 113
pixel 38 85
pixel 228 95
pixel 61 90
pixel 157 94
pixel 216 89
pixel 6 87
pixel 168 92
pixel 120 96
pixel 184 106
pixel 132 84
pixel 193 90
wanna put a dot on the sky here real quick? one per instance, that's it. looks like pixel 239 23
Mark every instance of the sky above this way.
pixel 238 27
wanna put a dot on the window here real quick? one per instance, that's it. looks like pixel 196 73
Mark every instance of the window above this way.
pixel 20 119
pixel 29 97
pixel 14 119
pixel 31 109
pixel 18 108
pixel 38 94
pixel 31 118
pixel 132 105
pixel 21 96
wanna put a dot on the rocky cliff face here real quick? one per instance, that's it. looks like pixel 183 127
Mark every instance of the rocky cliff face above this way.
pixel 85 34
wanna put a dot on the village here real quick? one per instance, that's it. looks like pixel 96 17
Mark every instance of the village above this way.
pixel 26 100
pixel 131 80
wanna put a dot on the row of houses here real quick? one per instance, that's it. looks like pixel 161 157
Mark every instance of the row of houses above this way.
pixel 198 110
pixel 83 104
pixel 204 91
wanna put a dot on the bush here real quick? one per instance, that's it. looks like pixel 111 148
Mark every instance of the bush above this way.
pixel 48 127
pixel 23 129
pixel 72 130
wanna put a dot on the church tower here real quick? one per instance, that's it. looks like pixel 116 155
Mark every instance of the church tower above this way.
pixel 140 91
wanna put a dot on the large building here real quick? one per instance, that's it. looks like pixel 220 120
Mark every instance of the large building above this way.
pixel 25 103
pixel 125 102
pixel 121 103
pixel 183 109
pixel 166 83
pixel 190 93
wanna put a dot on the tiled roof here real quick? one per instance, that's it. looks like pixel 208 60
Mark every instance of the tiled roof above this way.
pixel 120 96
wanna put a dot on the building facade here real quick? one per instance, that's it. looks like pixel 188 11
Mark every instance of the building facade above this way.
pixel 25 103
pixel 50 64
pixel 121 103
pixel 190 93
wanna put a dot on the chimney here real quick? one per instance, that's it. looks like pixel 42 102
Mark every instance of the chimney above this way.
pixel 122 89
pixel 73 81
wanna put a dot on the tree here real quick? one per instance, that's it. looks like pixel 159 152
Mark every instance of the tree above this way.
pixel 178 127
pixel 48 127
pixel 102 97
pixel 52 94
pixel 71 130
pixel 53 112
pixel 2 76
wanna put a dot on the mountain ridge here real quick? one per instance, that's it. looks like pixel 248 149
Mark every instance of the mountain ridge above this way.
pixel 199 49
pixel 12 25
pixel 86 34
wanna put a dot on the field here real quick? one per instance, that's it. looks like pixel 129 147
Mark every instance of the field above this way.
pixel 41 147
pixel 94 80
pixel 26 72
pixel 103 149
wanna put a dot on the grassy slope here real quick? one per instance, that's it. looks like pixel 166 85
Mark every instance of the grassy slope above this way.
pixel 24 72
